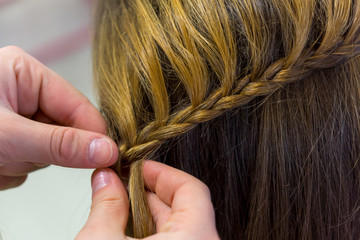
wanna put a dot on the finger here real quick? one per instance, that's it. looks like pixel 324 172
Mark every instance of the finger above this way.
pixel 33 86
pixel 17 169
pixel 25 140
pixel 109 210
pixel 159 210
pixel 187 196
pixel 166 182
pixel 40 165
pixel 11 182
pixel 41 117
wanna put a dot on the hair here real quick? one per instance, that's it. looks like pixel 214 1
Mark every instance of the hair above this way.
pixel 258 99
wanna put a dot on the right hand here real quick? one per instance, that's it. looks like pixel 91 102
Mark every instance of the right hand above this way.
pixel 180 204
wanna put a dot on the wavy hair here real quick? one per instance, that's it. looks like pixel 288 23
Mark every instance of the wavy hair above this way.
pixel 258 99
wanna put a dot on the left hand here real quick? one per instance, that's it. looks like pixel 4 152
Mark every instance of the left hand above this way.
pixel 44 120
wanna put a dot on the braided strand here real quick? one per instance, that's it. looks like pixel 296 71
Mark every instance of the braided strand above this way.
pixel 274 78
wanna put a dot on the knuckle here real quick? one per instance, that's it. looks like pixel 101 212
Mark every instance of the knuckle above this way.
pixel 71 117
pixel 110 204
pixel 63 144
pixel 12 49
pixel 205 189
pixel 207 195
pixel 201 186
pixel 14 55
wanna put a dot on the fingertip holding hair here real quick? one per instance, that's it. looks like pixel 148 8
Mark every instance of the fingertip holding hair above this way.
pixel 100 179
pixel 171 76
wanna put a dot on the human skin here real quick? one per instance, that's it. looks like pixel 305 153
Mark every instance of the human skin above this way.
pixel 180 204
pixel 44 120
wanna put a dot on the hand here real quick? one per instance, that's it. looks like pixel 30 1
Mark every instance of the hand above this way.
pixel 180 204
pixel 44 120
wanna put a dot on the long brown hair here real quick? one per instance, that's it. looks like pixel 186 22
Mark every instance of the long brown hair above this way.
pixel 258 99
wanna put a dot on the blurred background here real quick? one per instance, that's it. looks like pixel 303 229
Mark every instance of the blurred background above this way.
pixel 54 202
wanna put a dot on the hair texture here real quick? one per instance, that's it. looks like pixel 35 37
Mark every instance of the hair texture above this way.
pixel 259 99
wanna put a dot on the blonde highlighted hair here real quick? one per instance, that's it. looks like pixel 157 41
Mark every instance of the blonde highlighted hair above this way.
pixel 168 69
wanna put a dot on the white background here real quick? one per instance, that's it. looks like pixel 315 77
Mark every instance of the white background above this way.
pixel 54 202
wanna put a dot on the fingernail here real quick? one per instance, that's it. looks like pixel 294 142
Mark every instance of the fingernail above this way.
pixel 101 180
pixel 40 165
pixel 100 151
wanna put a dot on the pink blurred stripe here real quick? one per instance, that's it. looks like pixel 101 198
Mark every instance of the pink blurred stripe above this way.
pixel 63 46
pixel 4 3
pixel 89 2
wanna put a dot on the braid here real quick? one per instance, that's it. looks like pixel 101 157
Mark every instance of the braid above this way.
pixel 274 78
pixel 142 47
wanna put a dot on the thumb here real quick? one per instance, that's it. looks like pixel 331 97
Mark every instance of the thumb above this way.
pixel 24 140
pixel 109 210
